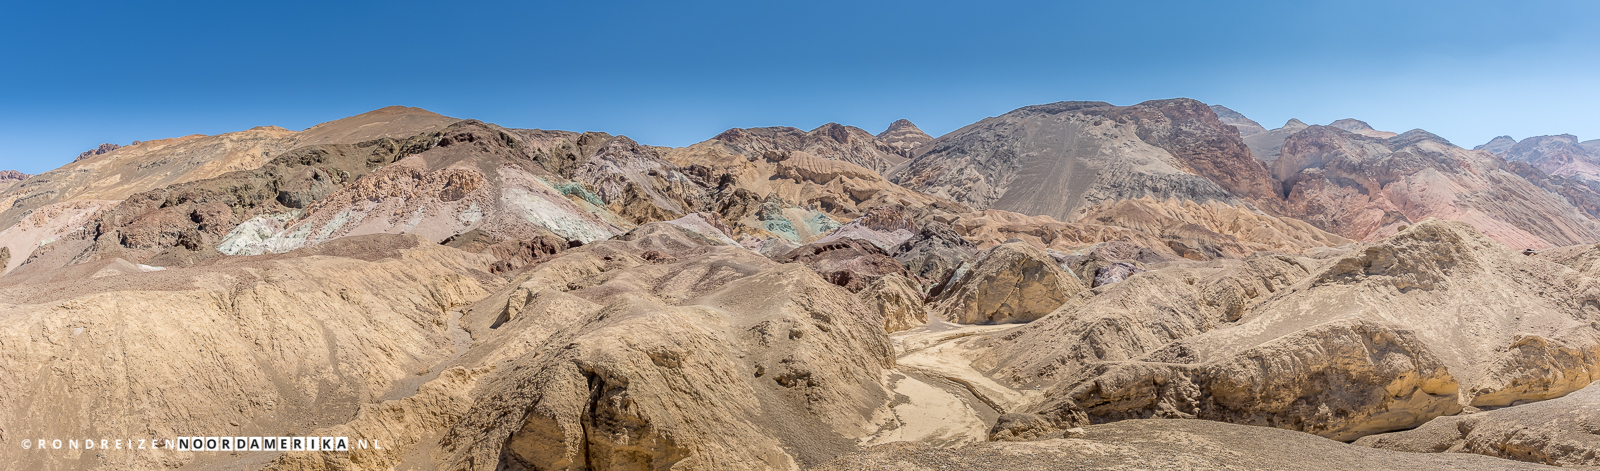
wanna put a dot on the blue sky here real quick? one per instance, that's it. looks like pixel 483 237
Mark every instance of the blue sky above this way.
pixel 76 74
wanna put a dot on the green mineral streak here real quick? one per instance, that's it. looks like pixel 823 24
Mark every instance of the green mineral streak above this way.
pixel 575 188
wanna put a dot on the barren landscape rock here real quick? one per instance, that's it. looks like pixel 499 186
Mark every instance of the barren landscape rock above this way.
pixel 1557 432
pixel 1021 427
pixel 1364 188
pixel 934 253
pixel 1361 127
pixel 1010 283
pixel 104 148
pixel 1182 343
pixel 1266 146
pixel 688 364
pixel 898 300
pixel 484 298
pixel 850 263
pixel 1246 126
pixel 1559 155
pixel 272 344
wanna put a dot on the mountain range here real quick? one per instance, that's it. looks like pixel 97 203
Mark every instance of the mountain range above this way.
pixel 1054 282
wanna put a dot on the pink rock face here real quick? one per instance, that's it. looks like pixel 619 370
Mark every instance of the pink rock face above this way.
pixel 1366 188
pixel 1560 156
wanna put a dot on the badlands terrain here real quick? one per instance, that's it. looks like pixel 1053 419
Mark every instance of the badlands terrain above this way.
pixel 1074 285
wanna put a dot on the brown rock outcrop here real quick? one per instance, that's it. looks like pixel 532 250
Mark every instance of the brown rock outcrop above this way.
pixel 102 150
pixel 850 263
pixel 1557 432
pixel 1010 283
pixel 898 300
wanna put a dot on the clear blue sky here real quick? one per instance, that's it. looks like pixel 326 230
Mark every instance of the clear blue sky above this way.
pixel 75 74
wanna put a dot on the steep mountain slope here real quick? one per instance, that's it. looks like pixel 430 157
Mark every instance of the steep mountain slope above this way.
pixel 1364 188
pixel 904 136
pixel 1059 159
pixel 147 165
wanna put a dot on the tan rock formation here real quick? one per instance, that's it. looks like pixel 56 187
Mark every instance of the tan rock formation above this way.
pixel 1342 348
pixel 898 300
pixel 257 346
pixel 1557 432
pixel 687 363
pixel 1010 283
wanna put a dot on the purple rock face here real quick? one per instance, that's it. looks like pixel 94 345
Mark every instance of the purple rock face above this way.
pixel 104 148
pixel 1114 273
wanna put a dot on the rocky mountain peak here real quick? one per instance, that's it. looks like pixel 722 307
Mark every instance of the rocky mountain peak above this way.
pixel 904 136
pixel 1415 136
pixel 1295 123
pixel 838 132
pixel 13 175
pixel 1352 125
pixel 91 153
pixel 1498 145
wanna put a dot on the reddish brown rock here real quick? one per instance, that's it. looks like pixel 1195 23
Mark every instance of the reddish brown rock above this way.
pixel 850 263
